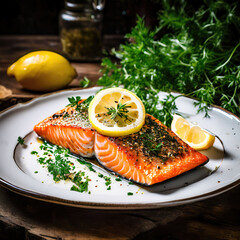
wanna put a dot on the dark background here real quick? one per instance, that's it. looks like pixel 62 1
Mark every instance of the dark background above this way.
pixel 40 17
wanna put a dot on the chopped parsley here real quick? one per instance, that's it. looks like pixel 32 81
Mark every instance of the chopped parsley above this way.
pixel 34 152
pixel 108 180
pixel 81 183
pixel 21 140
pixel 66 115
pixel 100 175
pixel 88 164
pixel 61 168
pixel 58 162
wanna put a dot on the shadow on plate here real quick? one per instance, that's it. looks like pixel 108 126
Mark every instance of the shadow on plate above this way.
pixel 183 180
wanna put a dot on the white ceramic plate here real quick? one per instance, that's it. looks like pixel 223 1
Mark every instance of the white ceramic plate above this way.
pixel 20 171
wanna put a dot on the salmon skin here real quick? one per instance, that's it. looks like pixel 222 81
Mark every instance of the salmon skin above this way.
pixel 152 155
pixel 70 129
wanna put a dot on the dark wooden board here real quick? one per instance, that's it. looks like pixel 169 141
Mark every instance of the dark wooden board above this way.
pixel 217 218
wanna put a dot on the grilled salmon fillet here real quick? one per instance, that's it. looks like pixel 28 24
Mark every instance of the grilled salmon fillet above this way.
pixel 152 155
pixel 69 129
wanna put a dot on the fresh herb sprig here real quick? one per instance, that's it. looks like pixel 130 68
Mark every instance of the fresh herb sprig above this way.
pixel 80 106
pixel 85 104
pixel 120 111
pixel 193 50
pixel 74 101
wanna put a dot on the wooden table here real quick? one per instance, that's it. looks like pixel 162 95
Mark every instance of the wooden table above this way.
pixel 217 218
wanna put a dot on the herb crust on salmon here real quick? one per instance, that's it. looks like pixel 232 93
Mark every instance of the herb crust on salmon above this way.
pixel 152 155
pixel 69 128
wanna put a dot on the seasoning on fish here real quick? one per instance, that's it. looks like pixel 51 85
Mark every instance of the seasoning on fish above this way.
pixel 152 155
pixel 70 129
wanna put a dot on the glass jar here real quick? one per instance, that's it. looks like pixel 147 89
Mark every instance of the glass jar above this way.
pixel 81 31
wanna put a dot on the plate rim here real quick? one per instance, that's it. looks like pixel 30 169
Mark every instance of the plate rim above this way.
pixel 108 206
pixel 114 206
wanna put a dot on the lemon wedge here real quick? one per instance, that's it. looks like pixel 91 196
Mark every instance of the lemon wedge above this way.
pixel 42 71
pixel 116 112
pixel 193 135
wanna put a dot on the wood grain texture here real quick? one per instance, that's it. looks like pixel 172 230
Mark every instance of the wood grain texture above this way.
pixel 215 219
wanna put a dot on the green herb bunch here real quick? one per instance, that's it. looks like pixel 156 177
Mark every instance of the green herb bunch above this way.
pixel 194 50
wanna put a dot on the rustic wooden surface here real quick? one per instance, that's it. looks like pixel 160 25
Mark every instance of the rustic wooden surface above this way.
pixel 13 47
pixel 217 218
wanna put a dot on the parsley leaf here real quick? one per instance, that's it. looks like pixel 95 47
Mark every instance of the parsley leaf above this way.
pixel 80 106
pixel 84 82
pixel 21 140
pixel 85 104
pixel 74 101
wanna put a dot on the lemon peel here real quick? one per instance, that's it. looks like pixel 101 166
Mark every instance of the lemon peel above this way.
pixel 192 134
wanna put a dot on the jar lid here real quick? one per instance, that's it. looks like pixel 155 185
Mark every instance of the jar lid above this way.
pixel 76 5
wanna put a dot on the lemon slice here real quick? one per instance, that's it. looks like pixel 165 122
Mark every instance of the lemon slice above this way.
pixel 193 135
pixel 116 112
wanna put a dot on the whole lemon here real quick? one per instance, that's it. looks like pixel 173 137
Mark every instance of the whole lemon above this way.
pixel 42 71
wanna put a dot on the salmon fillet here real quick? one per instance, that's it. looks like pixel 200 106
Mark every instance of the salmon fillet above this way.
pixel 152 155
pixel 69 129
